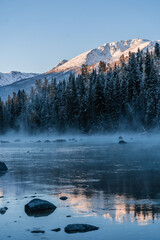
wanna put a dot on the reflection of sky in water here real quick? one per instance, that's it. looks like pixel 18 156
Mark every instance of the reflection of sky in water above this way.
pixel 106 184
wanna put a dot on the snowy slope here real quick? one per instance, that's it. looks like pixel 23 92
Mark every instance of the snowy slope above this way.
pixel 14 76
pixel 60 64
pixel 108 52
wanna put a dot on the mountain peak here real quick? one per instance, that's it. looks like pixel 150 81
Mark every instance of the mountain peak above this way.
pixel 60 64
pixel 108 53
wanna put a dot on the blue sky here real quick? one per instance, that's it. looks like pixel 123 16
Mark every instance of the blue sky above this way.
pixel 36 34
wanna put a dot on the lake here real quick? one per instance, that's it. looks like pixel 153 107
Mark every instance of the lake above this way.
pixel 113 186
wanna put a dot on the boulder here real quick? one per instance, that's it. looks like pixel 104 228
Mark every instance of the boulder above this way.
pixel 38 207
pixel 75 228
pixel 3 167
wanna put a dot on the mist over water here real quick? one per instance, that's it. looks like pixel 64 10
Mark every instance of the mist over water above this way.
pixel 113 186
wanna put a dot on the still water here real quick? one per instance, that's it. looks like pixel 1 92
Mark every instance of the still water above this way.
pixel 112 186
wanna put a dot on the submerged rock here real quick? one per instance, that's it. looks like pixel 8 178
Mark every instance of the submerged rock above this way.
pixel 56 230
pixel 3 167
pixel 38 208
pixel 74 228
pixel 122 142
pixel 63 198
pixel 3 210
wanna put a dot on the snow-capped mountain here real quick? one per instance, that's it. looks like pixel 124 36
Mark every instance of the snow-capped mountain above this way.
pixel 14 76
pixel 109 53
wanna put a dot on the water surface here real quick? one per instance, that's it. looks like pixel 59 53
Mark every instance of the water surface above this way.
pixel 115 187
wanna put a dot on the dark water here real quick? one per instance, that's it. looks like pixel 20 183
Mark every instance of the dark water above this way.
pixel 115 187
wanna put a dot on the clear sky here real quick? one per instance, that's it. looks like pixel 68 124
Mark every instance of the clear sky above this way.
pixel 36 34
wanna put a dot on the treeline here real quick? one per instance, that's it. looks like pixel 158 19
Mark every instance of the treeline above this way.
pixel 107 99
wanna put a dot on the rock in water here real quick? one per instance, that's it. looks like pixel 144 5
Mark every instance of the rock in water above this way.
pixel 37 231
pixel 56 230
pixel 122 142
pixel 3 210
pixel 3 167
pixel 38 208
pixel 63 198
pixel 74 228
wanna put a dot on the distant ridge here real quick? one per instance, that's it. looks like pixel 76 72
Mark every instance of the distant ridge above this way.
pixel 14 76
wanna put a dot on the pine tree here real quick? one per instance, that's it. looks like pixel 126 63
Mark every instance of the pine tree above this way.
pixel 157 50
pixel 2 119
